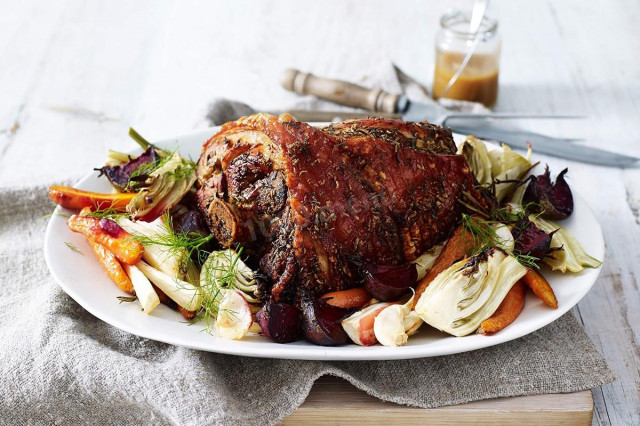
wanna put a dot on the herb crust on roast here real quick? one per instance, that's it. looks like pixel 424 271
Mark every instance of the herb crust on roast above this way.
pixel 315 204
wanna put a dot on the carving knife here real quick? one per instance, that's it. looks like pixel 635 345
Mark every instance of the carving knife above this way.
pixel 484 126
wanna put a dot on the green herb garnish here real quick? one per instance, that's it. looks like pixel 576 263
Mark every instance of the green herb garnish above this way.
pixel 127 299
pixel 527 260
pixel 108 213
pixel 174 242
pixel 73 248
pixel 483 234
pixel 54 213
pixel 217 277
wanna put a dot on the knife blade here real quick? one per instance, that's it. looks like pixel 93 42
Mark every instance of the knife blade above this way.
pixel 515 138
pixel 378 100
pixel 545 145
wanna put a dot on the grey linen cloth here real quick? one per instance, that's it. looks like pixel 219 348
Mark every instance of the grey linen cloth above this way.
pixel 61 365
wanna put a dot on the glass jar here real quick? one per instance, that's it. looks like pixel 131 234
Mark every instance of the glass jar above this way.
pixel 479 80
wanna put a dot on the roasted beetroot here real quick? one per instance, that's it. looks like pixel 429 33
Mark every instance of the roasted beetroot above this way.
pixel 127 177
pixel 531 240
pixel 280 322
pixel 388 282
pixel 189 222
pixel 321 323
pixel 553 200
pixel 111 228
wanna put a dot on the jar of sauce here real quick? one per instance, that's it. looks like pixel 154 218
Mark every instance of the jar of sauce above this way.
pixel 479 80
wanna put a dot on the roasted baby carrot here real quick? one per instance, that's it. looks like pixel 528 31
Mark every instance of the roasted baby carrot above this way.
pixel 454 249
pixel 540 287
pixel 507 312
pixel 188 315
pixel 108 234
pixel 113 267
pixel 110 263
pixel 352 298
pixel 72 198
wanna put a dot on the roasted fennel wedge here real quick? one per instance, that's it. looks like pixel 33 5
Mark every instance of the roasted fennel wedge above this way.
pixel 500 168
pixel 164 188
pixel 566 252
pixel 469 291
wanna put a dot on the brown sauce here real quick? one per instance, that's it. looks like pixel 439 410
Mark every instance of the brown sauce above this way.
pixel 478 82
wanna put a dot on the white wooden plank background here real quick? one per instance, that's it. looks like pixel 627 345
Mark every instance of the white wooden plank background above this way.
pixel 74 75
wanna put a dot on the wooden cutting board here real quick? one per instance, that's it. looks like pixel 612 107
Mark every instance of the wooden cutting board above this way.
pixel 335 401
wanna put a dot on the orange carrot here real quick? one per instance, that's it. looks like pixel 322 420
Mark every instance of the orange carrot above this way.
pixel 352 298
pixel 113 268
pixel 72 198
pixel 109 235
pixel 507 312
pixel 540 287
pixel 454 249
pixel 110 263
pixel 188 315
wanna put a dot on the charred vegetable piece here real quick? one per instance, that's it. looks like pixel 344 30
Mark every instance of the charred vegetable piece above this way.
pixel 118 273
pixel 188 315
pixel 553 200
pixel 164 188
pixel 110 235
pixel 280 322
pixel 454 249
pixel 190 221
pixel 566 253
pixel 389 282
pixel 130 176
pixel 469 292
pixel 531 240
pixel 507 312
pixel 321 323
pixel 352 298
pixel 540 287
pixel 113 267
pixel 497 168
pixel 72 198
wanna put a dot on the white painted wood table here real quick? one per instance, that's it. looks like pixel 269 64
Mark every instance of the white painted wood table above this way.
pixel 74 75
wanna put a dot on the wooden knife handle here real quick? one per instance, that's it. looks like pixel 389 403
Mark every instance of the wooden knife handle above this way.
pixel 340 92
